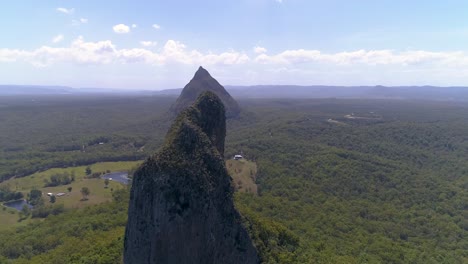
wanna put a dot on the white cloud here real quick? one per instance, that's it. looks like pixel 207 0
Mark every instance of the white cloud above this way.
pixel 148 43
pixel 65 10
pixel 134 25
pixel 156 26
pixel 12 55
pixel 298 66
pixel 121 29
pixel 176 52
pixel 371 57
pixel 105 52
pixel 279 1
pixel 78 22
pixel 79 52
pixel 259 49
pixel 300 61
pixel 57 38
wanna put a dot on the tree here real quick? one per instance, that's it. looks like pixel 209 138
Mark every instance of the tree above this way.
pixel 106 182
pixel 95 175
pixel 25 211
pixel 85 192
pixel 52 199
pixel 88 171
pixel 35 197
pixel 6 194
pixel 69 189
pixel 58 179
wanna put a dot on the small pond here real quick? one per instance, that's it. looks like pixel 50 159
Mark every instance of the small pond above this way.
pixel 18 205
pixel 121 176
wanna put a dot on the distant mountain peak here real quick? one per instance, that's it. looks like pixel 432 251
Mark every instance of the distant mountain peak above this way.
pixel 202 81
pixel 201 73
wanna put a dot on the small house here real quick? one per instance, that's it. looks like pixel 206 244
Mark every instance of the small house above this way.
pixel 238 157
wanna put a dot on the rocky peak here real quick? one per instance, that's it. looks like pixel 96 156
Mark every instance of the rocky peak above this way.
pixel 201 82
pixel 212 119
pixel 181 208
pixel 201 74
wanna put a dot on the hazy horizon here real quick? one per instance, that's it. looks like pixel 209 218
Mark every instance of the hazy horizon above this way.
pixel 228 86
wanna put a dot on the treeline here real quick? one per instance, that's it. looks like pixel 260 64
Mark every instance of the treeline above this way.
pixel 27 167
pixel 6 194
pixel 43 211
pixel 58 179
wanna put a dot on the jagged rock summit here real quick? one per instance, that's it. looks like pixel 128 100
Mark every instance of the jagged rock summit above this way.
pixel 181 208
pixel 202 81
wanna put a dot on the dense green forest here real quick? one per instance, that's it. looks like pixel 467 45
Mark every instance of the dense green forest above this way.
pixel 41 132
pixel 389 188
pixel 339 181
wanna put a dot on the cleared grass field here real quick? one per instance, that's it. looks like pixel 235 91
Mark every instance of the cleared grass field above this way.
pixel 98 193
pixel 243 173
pixel 8 218
pixel 36 180
pixel 73 199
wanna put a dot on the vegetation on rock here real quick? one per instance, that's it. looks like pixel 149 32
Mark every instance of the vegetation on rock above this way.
pixel 181 206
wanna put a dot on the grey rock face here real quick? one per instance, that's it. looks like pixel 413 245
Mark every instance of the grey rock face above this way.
pixel 181 208
pixel 201 82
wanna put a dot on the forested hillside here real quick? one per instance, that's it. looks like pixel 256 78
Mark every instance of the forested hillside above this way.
pixel 41 132
pixel 389 187
pixel 339 181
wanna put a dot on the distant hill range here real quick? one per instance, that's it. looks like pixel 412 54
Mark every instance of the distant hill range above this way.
pixel 376 92
pixel 454 93
pixel 58 90
pixel 201 82
pixel 33 89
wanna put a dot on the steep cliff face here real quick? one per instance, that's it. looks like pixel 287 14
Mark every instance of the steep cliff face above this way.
pixel 181 208
pixel 202 81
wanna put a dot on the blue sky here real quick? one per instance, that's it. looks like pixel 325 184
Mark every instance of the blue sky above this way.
pixel 159 44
